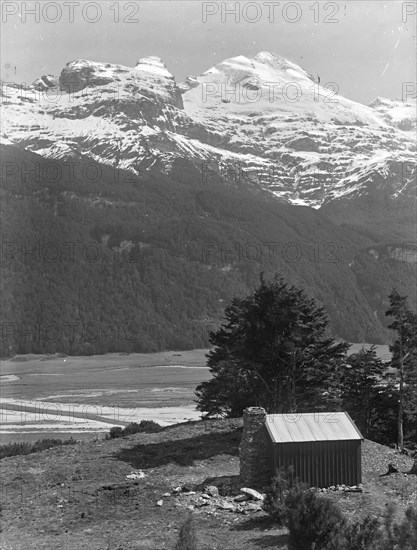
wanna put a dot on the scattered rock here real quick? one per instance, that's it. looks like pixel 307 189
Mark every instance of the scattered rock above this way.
pixel 246 503
pixel 413 469
pixel 212 490
pixel 177 490
pixel 166 495
pixel 252 493
pixel 241 498
pixel 136 475
pixel 226 505
pixel 391 470
pixel 345 488
pixel 253 507
pixel 227 485
pixel 160 503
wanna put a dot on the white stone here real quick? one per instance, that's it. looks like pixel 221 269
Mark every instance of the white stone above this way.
pixel 252 493
pixel 136 475
pixel 212 490
pixel 226 506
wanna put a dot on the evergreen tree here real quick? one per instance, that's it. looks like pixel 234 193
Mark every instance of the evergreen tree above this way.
pixel 369 399
pixel 404 359
pixel 273 350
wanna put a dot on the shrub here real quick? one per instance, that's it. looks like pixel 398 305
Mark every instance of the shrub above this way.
pixel 274 503
pixel 316 523
pixel 131 428
pixel 25 448
pixel 115 432
pixel 399 536
pixel 312 520
pixel 359 535
pixel 147 426
pixel 371 534
pixel 187 536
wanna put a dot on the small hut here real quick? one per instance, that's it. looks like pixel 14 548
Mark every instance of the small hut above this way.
pixel 323 449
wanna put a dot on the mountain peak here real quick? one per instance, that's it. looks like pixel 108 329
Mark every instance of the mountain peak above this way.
pixel 268 57
pixel 276 61
pixel 154 65
pixel 265 66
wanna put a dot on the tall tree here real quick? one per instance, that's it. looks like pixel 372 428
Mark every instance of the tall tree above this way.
pixel 273 350
pixel 367 396
pixel 404 358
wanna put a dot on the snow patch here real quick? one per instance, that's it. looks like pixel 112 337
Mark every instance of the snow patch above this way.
pixel 153 65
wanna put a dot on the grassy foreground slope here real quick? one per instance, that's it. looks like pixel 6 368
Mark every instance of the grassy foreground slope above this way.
pixel 79 498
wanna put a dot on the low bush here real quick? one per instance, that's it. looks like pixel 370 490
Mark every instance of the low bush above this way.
pixel 399 536
pixel 149 426
pixel 145 426
pixel 373 534
pixel 115 432
pixel 274 503
pixel 317 523
pixel 359 535
pixel 25 448
pixel 313 521
pixel 131 428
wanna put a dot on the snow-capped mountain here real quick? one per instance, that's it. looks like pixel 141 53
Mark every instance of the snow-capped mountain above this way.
pixel 260 120
pixel 211 169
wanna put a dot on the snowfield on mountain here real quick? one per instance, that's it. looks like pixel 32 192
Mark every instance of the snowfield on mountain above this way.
pixel 262 119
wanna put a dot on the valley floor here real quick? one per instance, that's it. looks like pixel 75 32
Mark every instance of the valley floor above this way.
pixel 85 396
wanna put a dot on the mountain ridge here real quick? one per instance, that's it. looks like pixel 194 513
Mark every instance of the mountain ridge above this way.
pixel 243 114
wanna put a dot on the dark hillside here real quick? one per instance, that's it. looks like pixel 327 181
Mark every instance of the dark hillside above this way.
pixel 97 260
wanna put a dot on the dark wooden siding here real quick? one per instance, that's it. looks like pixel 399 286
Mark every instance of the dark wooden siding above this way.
pixel 321 463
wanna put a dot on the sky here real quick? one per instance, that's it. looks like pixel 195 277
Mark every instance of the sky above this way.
pixel 368 48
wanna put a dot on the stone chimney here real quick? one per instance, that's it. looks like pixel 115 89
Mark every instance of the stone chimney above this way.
pixel 255 451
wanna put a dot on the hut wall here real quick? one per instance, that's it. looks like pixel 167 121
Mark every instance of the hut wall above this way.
pixel 321 463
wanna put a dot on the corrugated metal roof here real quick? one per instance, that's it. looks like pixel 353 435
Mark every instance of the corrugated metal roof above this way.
pixel 300 427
